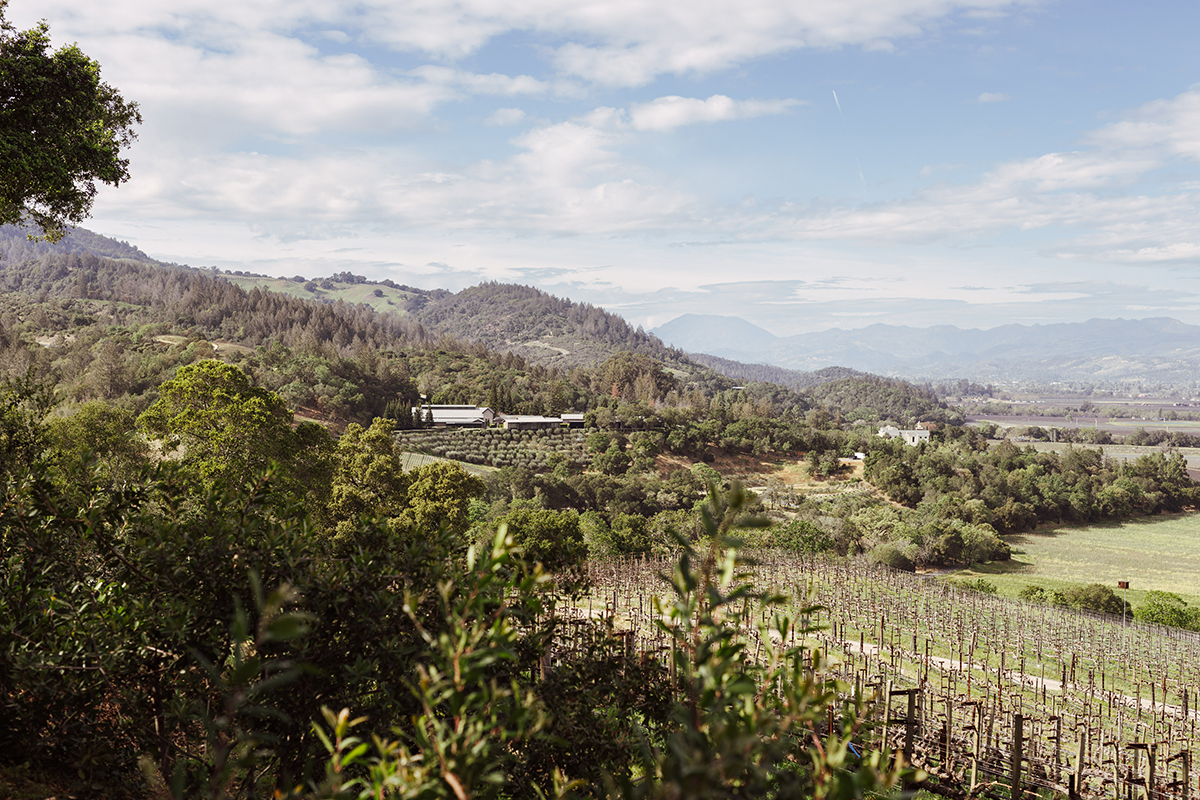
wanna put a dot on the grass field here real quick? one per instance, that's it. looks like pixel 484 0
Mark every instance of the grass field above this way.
pixel 1151 553
pixel 392 300
pixel 410 461
pixel 1122 426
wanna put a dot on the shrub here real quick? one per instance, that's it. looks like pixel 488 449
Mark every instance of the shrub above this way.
pixel 1095 597
pixel 888 555
pixel 978 584
pixel 801 536
pixel 1168 608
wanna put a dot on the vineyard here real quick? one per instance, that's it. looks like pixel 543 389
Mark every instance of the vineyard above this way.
pixel 989 695
pixel 496 447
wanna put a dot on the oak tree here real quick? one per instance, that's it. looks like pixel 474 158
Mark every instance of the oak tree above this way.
pixel 62 129
pixel 221 424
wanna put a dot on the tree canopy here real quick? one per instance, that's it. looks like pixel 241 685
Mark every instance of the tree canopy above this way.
pixel 61 130
pixel 225 426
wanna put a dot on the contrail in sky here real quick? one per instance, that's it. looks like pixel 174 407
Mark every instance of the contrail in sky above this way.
pixel 839 105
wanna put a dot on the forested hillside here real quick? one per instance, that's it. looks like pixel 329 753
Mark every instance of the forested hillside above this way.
pixel 115 329
pixel 791 378
pixel 15 245
pixel 540 327
pixel 871 398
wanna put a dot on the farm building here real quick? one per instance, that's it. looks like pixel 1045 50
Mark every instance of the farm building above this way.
pixel 912 437
pixel 529 422
pixel 445 416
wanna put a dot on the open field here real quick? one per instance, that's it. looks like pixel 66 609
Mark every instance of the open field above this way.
pixel 1122 452
pixel 390 300
pixel 410 461
pixel 1119 426
pixel 791 471
pixel 1151 553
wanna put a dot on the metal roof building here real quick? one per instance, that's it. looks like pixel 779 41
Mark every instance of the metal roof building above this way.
pixel 445 416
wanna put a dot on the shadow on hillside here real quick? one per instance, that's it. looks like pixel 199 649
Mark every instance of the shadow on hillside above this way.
pixel 1011 567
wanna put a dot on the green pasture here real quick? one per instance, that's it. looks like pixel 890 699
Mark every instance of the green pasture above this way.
pixel 392 300
pixel 1118 425
pixel 1152 553
pixel 410 461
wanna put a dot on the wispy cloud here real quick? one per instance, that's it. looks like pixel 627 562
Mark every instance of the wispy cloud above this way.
pixel 505 116
pixel 992 97
pixel 1064 191
pixel 612 42
pixel 668 113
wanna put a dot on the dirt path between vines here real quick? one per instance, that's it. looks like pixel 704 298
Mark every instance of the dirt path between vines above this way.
pixel 1019 678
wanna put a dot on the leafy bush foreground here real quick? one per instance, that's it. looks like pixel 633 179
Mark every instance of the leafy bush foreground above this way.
pixel 164 639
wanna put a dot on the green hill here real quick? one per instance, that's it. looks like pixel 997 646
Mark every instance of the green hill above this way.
pixel 768 373
pixel 351 345
pixel 875 399
pixel 384 297
pixel 542 328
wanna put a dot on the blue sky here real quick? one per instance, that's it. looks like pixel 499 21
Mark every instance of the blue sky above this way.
pixel 804 165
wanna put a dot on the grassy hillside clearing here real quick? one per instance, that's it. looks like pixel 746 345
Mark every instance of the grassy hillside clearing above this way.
pixel 389 299
pixel 1152 553
pixel 411 461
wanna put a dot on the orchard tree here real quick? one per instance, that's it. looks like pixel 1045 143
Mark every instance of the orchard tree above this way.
pixel 61 130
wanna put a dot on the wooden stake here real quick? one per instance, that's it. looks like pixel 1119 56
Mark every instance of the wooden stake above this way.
pixel 1017 750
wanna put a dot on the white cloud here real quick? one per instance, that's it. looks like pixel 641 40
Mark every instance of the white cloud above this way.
pixel 505 116
pixel 259 83
pixel 667 113
pixel 615 42
pixel 1168 126
pixel 574 178
pixel 494 83
pixel 568 178
pixel 991 97
pixel 931 169
pixel 629 43
pixel 226 70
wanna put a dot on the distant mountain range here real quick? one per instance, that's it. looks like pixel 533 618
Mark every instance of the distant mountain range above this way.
pixel 557 332
pixel 1153 350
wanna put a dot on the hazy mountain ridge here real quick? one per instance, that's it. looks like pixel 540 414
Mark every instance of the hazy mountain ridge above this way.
pixel 15 245
pixel 791 378
pixel 552 331
pixel 1158 348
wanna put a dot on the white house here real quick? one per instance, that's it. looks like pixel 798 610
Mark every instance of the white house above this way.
pixel 912 437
